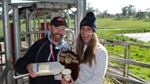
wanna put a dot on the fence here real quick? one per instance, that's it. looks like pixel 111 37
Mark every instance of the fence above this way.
pixel 122 72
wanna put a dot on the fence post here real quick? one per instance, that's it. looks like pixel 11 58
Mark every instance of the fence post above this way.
pixel 42 35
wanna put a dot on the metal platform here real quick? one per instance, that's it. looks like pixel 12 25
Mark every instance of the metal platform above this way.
pixel 27 11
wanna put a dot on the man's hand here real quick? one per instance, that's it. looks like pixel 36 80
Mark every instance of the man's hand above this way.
pixel 31 72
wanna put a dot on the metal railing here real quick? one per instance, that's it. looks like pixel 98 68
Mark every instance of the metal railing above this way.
pixel 123 71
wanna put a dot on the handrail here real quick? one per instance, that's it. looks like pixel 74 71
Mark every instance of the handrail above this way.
pixel 129 61
pixel 117 42
pixel 118 71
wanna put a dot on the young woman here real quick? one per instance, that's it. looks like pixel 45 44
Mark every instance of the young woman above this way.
pixel 93 55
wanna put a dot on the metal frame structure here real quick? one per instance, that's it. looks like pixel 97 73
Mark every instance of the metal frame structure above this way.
pixel 28 10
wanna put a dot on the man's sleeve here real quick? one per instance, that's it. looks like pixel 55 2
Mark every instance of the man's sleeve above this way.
pixel 28 58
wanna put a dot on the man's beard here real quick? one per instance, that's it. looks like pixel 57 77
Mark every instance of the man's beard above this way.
pixel 57 37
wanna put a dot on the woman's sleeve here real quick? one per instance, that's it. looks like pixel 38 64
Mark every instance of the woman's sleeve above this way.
pixel 100 67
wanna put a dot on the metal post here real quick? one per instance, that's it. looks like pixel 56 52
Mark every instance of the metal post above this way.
pixel 69 26
pixel 68 19
pixel 79 14
pixel 6 34
pixel 35 35
pixel 84 8
pixel 38 35
pixel 6 28
pixel 16 32
pixel 124 65
pixel 128 46
pixel 27 28
pixel 16 36
pixel 75 23
pixel 45 22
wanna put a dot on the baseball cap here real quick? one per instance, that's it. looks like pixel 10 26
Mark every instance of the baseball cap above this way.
pixel 58 21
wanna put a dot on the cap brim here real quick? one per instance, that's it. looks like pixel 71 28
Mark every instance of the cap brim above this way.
pixel 60 24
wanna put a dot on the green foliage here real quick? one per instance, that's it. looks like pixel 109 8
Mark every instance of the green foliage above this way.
pixel 108 80
pixel 141 72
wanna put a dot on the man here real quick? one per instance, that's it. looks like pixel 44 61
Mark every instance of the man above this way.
pixel 44 50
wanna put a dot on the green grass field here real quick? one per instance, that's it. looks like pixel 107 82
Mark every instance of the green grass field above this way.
pixel 127 26
pixel 122 23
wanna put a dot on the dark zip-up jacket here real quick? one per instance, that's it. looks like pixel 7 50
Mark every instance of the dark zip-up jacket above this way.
pixel 39 52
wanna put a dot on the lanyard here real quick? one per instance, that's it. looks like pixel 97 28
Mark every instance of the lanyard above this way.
pixel 52 54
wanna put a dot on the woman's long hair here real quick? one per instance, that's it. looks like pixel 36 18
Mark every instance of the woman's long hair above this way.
pixel 89 54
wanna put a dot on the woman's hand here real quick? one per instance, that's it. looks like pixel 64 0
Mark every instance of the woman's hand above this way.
pixel 63 81
pixel 31 72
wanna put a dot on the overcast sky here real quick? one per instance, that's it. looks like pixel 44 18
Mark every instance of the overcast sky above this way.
pixel 114 6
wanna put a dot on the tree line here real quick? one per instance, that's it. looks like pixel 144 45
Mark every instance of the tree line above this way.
pixel 127 12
